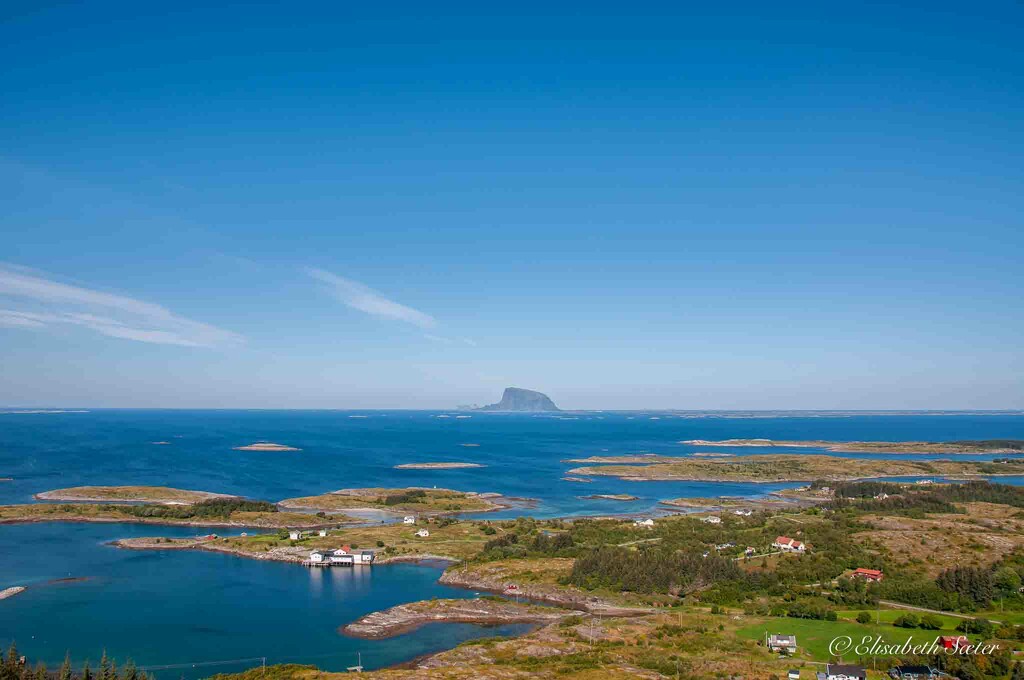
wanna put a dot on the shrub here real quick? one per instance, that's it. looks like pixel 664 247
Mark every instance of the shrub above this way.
pixel 864 617
pixel 907 621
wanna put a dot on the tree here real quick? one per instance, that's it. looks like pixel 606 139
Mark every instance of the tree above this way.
pixel 65 668
pixel 1006 580
pixel 86 671
pixel 1018 671
pixel 129 672
pixel 106 668
pixel 864 617
pixel 931 622
pixel 11 671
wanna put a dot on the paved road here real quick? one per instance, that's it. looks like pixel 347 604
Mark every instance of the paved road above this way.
pixel 899 605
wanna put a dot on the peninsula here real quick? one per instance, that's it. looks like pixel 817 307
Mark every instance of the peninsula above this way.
pixel 484 611
pixel 524 401
pixel 967 446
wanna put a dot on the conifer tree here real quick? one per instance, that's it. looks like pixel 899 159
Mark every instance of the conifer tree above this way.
pixel 129 672
pixel 10 666
pixel 86 671
pixel 65 668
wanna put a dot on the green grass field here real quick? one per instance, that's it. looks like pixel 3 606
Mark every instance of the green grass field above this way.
pixel 949 623
pixel 813 637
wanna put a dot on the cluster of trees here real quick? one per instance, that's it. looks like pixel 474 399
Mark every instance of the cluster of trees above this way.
pixel 927 621
pixel 212 508
pixel 412 496
pixel 13 666
pixel 972 585
pixel 983 492
pixel 908 502
pixel 650 571
pixel 1012 444
pixel 865 489
pixel 861 495
pixel 541 544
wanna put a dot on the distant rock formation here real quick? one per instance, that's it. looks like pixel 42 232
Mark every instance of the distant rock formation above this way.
pixel 516 399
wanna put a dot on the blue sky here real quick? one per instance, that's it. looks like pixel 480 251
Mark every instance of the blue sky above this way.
pixel 681 207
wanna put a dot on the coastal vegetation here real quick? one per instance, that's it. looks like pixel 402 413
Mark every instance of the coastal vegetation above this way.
pixel 640 601
pixel 963 446
pixel 409 499
pixel 790 468
pixel 234 512
pixel 145 494
pixel 14 666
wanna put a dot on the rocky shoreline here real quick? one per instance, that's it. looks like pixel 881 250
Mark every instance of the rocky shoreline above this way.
pixel 11 592
pixel 404 618
pixel 565 597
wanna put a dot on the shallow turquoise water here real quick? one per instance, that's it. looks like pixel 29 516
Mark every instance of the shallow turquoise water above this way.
pixel 178 607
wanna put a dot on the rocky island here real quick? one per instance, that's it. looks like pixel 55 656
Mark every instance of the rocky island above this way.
pixel 523 401
pixel 266 446
pixel 415 499
pixel 129 494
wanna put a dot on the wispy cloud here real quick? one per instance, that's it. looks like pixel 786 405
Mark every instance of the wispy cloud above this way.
pixel 39 303
pixel 357 296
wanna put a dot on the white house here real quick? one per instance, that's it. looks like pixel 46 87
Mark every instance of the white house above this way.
pixel 743 512
pixel 749 551
pixel 295 534
pixel 342 559
pixel 844 671
pixel 320 556
pixel 422 533
pixel 711 519
pixel 793 674
pixel 643 522
pixel 409 519
pixel 323 532
pixel 782 643
pixel 364 557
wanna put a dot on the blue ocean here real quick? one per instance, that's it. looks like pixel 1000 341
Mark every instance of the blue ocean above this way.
pixel 193 614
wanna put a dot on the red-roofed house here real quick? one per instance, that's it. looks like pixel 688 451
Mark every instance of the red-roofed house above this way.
pixel 872 575
pixel 953 641
pixel 787 544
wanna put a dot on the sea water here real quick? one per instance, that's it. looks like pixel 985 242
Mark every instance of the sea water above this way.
pixel 179 608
